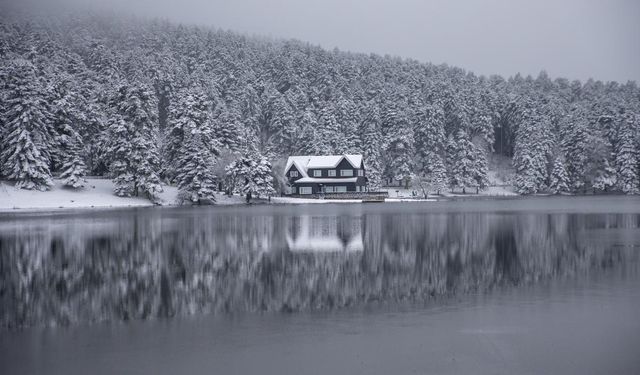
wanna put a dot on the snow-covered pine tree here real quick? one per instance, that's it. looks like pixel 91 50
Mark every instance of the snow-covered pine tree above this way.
pixel 133 139
pixel 575 145
pixel 461 155
pixel 627 161
pixel 559 180
pixel 430 147
pixel 196 181
pixel 191 124
pixel 73 170
pixel 399 142
pixel 371 148
pixel 437 177
pixel 67 154
pixel 251 175
pixel 27 120
pixel 532 151
pixel 480 169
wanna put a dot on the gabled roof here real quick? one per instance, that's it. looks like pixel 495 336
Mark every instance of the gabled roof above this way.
pixel 303 163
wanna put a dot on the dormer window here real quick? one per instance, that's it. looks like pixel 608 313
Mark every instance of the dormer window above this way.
pixel 293 174
pixel 317 173
pixel 332 172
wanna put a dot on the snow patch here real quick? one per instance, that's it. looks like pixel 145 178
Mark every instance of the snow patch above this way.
pixel 97 193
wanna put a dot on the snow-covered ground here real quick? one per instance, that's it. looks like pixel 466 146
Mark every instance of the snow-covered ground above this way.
pixel 98 193
pixel 397 193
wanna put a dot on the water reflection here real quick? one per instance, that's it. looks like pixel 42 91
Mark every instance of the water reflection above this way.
pixel 124 265
pixel 324 234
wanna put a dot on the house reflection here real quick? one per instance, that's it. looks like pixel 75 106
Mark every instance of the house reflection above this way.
pixel 324 234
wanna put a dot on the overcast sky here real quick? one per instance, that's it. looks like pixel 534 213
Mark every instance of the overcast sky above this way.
pixel 576 39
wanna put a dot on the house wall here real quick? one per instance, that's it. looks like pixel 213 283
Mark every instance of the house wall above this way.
pixel 292 179
pixel 315 188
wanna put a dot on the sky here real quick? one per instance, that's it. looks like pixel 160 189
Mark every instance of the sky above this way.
pixel 576 39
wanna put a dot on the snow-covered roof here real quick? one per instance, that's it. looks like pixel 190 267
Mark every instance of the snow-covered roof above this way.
pixel 324 180
pixel 303 163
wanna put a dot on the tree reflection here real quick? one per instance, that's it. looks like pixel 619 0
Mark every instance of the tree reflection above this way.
pixel 160 263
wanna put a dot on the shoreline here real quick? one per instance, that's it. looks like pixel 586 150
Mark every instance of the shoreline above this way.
pixel 98 195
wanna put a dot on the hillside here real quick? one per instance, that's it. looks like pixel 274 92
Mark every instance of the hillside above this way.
pixel 148 102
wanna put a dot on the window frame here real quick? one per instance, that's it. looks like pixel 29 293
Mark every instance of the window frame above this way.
pixel 293 174
pixel 340 189
pixel 332 173
pixel 343 173
pixel 317 173
pixel 360 172
pixel 305 190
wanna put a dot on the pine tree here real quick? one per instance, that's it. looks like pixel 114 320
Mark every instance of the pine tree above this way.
pixel 532 152
pixel 132 134
pixel 198 148
pixel 575 144
pixel 251 175
pixel 627 154
pixel 431 146
pixel 25 135
pixel 480 169
pixel 437 176
pixel 462 159
pixel 559 180
pixel 196 181
pixel 371 148
pixel 67 154
pixel 73 169
pixel 399 144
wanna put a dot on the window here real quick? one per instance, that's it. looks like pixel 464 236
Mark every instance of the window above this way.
pixel 305 190
pixel 293 190
pixel 340 189
pixel 317 173
pixel 332 172
pixel 360 172
pixel 346 172
pixel 293 173
pixel 328 189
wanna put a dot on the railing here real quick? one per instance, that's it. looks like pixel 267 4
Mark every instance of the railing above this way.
pixel 367 195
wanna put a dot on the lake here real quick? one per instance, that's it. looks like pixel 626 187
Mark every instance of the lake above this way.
pixel 528 285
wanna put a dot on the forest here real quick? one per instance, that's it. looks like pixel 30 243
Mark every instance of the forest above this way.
pixel 150 102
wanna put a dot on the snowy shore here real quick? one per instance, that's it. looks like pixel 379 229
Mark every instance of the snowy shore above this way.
pixel 98 193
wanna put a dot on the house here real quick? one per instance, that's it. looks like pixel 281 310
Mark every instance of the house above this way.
pixel 310 175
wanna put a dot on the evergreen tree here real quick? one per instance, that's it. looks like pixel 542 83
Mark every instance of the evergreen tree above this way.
pixel 26 131
pixel 197 147
pixel 532 152
pixel 371 148
pixel 430 143
pixel 132 149
pixel 559 180
pixel 399 144
pixel 251 176
pixel 196 181
pixel 627 155
pixel 462 158
pixel 73 169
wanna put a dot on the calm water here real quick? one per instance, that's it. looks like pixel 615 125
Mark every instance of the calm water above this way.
pixel 540 285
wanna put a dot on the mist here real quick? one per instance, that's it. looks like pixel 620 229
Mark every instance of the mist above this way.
pixel 576 39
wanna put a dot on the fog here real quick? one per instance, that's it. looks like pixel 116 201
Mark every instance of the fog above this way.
pixel 577 39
